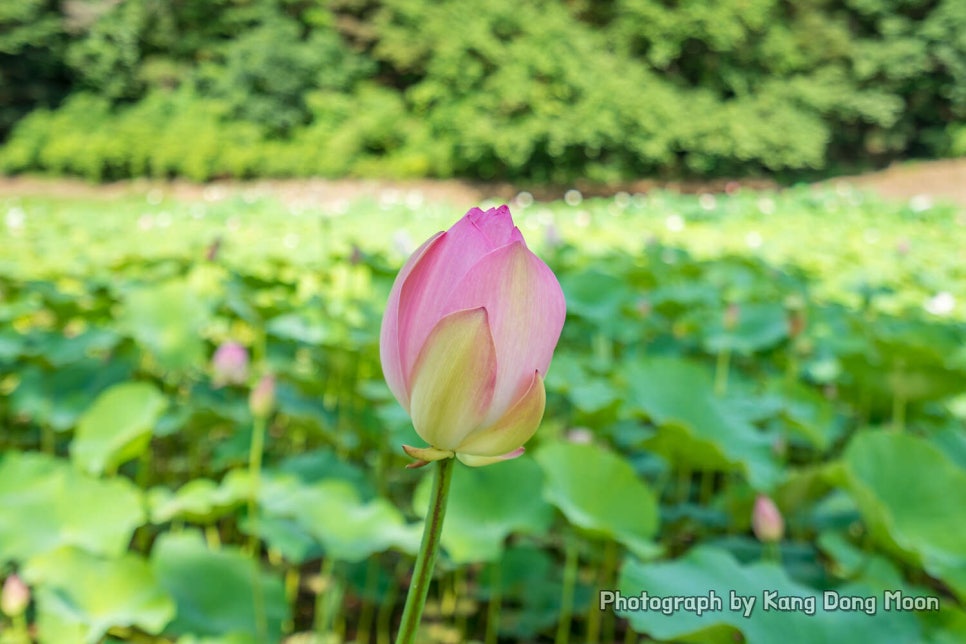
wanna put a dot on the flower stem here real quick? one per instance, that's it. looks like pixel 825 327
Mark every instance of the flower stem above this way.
pixel 496 599
pixel 255 472
pixel 428 551
pixel 721 372
pixel 571 562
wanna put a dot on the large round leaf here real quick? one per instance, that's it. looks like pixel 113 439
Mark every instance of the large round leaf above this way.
pixel 705 569
pixel 912 496
pixel 117 427
pixel 598 491
pixel 332 512
pixel 166 319
pixel 213 590
pixel 47 503
pixel 198 501
pixel 696 428
pixel 486 505
pixel 85 594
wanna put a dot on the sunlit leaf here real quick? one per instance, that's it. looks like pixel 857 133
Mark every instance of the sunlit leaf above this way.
pixel 87 594
pixel 117 426
pixel 599 492
pixel 47 503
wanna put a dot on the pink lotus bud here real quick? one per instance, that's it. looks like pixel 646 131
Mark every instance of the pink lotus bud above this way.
pixel 230 364
pixel 731 316
pixel 467 337
pixel 14 597
pixel 580 436
pixel 261 401
pixel 211 253
pixel 766 520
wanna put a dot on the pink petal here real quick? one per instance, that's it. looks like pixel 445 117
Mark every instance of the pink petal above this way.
pixel 430 284
pixel 526 309
pixel 452 382
pixel 389 345
pixel 496 224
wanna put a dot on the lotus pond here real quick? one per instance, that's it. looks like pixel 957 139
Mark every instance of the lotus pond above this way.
pixel 807 346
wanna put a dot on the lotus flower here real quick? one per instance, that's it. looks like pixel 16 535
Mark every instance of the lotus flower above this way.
pixel 261 400
pixel 14 597
pixel 469 330
pixel 230 364
pixel 766 520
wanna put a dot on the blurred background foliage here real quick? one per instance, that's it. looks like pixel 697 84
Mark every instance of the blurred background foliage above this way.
pixel 538 91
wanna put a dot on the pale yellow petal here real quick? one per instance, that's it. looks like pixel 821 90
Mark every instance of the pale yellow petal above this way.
pixel 452 382
pixel 512 430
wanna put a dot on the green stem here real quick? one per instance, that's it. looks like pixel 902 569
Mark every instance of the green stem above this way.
pixel 291 595
pixel 21 635
pixel 368 612
pixel 721 372
pixel 255 471
pixel 143 480
pixel 428 551
pixel 460 591
pixel 684 484
pixel 707 487
pixel 772 552
pixel 326 597
pixel 496 599
pixel 898 412
pixel 47 439
pixel 608 579
pixel 567 598
pixel 630 636
pixel 384 616
pixel 791 369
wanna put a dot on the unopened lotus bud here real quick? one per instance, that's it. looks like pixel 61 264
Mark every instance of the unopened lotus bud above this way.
pixel 14 597
pixel 261 401
pixel 766 520
pixel 580 436
pixel 795 311
pixel 467 337
pixel 731 315
pixel 211 253
pixel 229 365
pixel 552 237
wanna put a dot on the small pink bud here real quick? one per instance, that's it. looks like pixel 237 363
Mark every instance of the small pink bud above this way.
pixel 14 597
pixel 580 436
pixel 552 237
pixel 902 247
pixel 766 520
pixel 230 364
pixel 731 315
pixel 211 253
pixel 796 320
pixel 262 399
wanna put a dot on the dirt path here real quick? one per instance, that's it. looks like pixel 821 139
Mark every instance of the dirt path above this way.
pixel 943 180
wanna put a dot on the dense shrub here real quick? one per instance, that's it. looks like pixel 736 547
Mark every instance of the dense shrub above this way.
pixel 541 90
